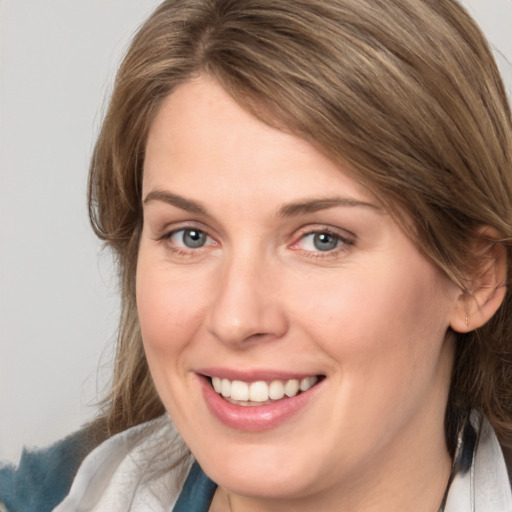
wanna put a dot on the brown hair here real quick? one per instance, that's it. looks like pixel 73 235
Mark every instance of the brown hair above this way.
pixel 405 93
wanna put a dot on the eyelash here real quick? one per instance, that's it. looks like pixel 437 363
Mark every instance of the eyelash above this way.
pixel 342 243
pixel 186 251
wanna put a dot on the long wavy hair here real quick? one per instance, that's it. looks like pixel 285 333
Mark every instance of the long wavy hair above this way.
pixel 405 93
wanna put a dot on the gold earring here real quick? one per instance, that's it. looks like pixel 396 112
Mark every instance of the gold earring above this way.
pixel 468 294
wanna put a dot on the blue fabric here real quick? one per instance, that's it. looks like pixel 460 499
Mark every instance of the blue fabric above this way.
pixel 43 477
pixel 197 493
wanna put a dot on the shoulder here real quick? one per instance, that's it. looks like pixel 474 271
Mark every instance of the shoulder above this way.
pixel 142 468
pixel 43 476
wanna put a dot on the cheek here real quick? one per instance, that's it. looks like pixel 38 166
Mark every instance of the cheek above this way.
pixel 385 332
pixel 169 308
pixel 372 310
pixel 385 329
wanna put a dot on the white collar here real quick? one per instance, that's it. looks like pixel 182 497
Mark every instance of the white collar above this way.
pixel 130 471
pixel 114 476
pixel 485 487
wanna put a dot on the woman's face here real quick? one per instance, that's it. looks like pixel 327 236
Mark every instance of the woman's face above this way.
pixel 264 266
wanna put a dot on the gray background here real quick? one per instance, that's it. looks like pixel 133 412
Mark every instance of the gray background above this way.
pixel 58 297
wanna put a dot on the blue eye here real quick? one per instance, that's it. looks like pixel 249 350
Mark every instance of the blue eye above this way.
pixel 189 238
pixel 322 241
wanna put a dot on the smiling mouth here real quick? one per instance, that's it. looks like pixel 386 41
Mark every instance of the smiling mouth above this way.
pixel 262 392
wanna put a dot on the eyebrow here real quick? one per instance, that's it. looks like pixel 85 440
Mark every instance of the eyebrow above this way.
pixel 288 210
pixel 315 205
pixel 175 200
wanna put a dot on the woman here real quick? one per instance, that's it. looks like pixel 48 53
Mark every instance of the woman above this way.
pixel 310 203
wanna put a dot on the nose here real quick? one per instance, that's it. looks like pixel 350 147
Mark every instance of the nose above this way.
pixel 248 303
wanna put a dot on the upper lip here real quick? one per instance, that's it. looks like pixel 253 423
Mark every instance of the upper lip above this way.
pixel 253 375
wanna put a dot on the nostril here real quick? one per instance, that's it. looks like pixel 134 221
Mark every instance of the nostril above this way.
pixel 257 335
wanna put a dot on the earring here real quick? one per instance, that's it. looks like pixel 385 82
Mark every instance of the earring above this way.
pixel 468 295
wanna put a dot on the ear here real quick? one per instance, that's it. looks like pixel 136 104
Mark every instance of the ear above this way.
pixel 486 287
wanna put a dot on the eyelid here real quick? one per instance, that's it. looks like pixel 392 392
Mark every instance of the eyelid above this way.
pixel 174 232
pixel 166 230
pixel 347 238
pixel 165 234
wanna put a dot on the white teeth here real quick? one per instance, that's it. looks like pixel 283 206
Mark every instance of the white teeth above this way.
pixel 217 384
pixel 258 391
pixel 276 390
pixel 308 383
pixel 261 391
pixel 239 390
pixel 225 388
pixel 291 388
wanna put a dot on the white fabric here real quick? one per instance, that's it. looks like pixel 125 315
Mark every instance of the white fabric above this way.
pixel 128 473
pixel 485 487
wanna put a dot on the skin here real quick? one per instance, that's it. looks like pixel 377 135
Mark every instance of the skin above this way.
pixel 371 315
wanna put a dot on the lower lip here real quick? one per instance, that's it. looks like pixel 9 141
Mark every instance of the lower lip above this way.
pixel 255 418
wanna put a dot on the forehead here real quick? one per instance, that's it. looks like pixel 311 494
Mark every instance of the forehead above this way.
pixel 201 134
